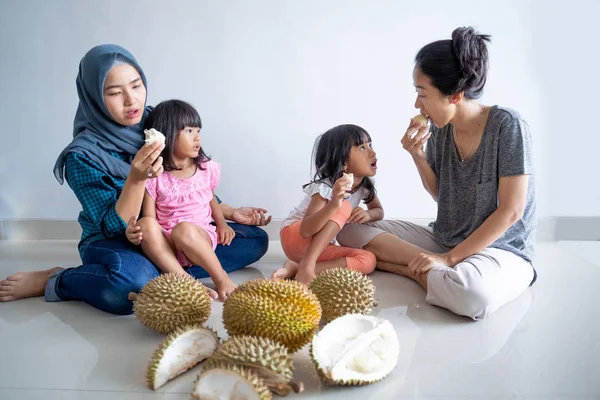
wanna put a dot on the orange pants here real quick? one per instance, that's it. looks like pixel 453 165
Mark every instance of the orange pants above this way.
pixel 294 245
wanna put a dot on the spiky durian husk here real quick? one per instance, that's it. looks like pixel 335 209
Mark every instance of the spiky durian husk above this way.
pixel 162 348
pixel 282 310
pixel 172 301
pixel 342 291
pixel 250 350
pixel 257 383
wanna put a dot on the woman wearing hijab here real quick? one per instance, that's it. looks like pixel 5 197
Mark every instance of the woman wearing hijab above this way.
pixel 107 165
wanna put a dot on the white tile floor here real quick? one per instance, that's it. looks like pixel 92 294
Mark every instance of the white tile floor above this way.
pixel 544 345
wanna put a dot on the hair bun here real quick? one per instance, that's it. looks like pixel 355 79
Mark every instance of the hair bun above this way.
pixel 470 48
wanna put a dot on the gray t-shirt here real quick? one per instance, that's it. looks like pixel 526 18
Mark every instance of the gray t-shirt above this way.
pixel 468 191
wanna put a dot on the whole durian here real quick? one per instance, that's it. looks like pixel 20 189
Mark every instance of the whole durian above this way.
pixel 266 358
pixel 171 301
pixel 342 291
pixel 355 349
pixel 180 351
pixel 230 383
pixel 282 310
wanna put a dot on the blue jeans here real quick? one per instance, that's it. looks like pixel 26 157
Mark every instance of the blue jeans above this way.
pixel 113 268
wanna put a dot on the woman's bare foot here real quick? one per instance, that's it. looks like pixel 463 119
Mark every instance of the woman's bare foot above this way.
pixel 288 271
pixel 25 284
pixel 224 287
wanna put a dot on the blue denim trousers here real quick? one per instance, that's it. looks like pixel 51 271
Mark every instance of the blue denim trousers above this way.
pixel 113 268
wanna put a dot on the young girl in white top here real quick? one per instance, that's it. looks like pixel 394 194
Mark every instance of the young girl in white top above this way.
pixel 344 162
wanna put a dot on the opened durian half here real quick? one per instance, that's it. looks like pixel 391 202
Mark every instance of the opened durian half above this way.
pixel 180 351
pixel 230 383
pixel 355 350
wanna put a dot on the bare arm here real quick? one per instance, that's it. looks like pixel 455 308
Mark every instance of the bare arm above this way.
pixel 130 202
pixel 319 211
pixel 512 196
pixel 414 139
pixel 217 212
pixel 149 206
pixel 375 210
pixel 428 177
pixel 133 231
pixel 146 160
pixel 227 211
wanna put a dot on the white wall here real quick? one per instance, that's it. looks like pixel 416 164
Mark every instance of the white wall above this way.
pixel 269 76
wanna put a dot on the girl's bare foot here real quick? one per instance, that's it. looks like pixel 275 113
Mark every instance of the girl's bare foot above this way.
pixel 306 273
pixel 25 284
pixel 211 293
pixel 224 287
pixel 288 271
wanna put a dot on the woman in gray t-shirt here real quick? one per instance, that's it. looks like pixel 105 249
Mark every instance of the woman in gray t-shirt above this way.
pixel 478 166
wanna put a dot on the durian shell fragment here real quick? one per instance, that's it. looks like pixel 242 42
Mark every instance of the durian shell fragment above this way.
pixel 179 352
pixel 266 358
pixel 230 383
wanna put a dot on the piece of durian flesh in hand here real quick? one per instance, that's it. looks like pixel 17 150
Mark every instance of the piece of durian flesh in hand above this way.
pixel 421 119
pixel 230 383
pixel 152 135
pixel 179 352
pixel 355 350
pixel 349 177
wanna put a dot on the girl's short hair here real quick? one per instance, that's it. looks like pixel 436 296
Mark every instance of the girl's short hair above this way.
pixel 332 150
pixel 457 65
pixel 170 117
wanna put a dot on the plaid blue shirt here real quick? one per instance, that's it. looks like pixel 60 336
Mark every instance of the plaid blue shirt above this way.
pixel 97 191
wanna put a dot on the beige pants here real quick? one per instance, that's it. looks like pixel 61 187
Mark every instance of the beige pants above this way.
pixel 475 287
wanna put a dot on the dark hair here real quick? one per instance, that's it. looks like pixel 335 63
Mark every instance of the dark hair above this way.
pixel 457 65
pixel 332 150
pixel 170 117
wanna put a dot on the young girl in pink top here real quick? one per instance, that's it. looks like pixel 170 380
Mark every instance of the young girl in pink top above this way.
pixel 179 205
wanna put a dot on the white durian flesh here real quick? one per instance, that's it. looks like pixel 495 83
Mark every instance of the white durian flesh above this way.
pixel 179 352
pixel 231 383
pixel 355 349
pixel 152 135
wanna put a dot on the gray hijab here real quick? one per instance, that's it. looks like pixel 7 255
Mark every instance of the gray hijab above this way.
pixel 95 132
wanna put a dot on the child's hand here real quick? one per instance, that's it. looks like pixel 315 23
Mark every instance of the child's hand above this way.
pixel 133 231
pixel 359 216
pixel 341 190
pixel 225 235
